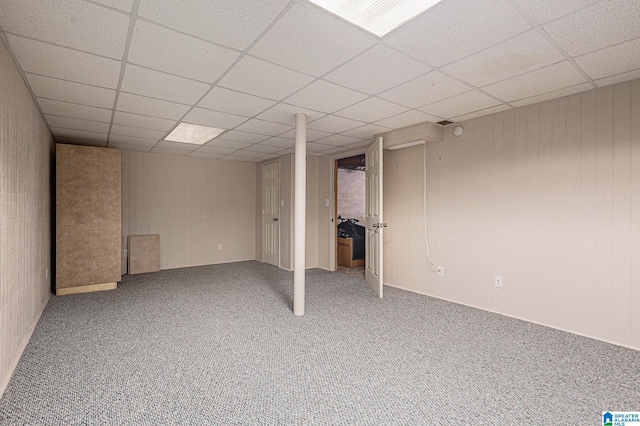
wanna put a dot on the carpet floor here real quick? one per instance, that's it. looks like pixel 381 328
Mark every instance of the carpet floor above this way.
pixel 219 345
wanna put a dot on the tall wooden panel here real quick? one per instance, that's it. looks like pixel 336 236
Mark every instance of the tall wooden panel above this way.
pixel 88 218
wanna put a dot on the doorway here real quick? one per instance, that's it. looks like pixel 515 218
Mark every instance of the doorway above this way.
pixel 350 204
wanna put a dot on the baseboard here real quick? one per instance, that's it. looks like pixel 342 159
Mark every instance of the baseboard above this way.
pixel 518 318
pixel 23 345
pixel 86 288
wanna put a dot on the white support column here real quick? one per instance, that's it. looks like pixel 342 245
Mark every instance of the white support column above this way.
pixel 300 213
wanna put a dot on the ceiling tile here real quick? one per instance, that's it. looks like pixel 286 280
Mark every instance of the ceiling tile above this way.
pixel 129 147
pixel 461 104
pixel 67 109
pixel 618 59
pixel 260 78
pixel 596 27
pixel 72 23
pixel 129 140
pixel 60 62
pixel 168 151
pixel 627 76
pixel 372 109
pixel 238 158
pixel 324 96
pixel 270 156
pixel 76 124
pixel 249 138
pixel 155 84
pixel 67 91
pixel 553 95
pixel 221 143
pixel 545 10
pixel 424 90
pixel 339 140
pixel 334 124
pixel 177 145
pixel 143 121
pixel 377 70
pixel 524 53
pixel 262 127
pixel 233 102
pixel 408 118
pixel 481 113
pixel 457 29
pixel 219 120
pixel 137 132
pixel 367 131
pixel 248 154
pixel 169 51
pixel 263 149
pixel 79 135
pixel 129 102
pixel 312 135
pixel 279 142
pixel 311 41
pixel 202 154
pixel 215 20
pixel 553 77
pixel 286 114
pixel 215 150
pixel 80 141
pixel 124 5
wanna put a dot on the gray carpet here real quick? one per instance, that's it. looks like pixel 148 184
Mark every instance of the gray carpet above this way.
pixel 219 345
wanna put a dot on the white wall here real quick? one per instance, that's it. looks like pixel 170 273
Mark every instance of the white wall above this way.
pixel 26 156
pixel 547 196
pixel 194 204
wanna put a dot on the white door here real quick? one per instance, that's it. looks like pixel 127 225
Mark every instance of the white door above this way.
pixel 375 225
pixel 270 213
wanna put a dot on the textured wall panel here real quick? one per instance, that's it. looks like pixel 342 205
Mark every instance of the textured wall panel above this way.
pixel 88 215
pixel 26 151
pixel 194 204
pixel 546 196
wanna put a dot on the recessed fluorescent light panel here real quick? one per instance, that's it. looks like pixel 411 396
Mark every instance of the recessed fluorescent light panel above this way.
pixel 376 16
pixel 193 133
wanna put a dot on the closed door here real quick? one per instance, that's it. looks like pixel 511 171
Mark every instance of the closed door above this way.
pixel 271 213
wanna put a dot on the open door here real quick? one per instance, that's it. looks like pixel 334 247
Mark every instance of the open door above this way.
pixel 270 213
pixel 375 225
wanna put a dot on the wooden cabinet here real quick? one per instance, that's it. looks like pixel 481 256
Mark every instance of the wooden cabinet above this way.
pixel 88 219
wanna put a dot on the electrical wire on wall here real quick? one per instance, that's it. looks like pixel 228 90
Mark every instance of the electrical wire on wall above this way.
pixel 424 200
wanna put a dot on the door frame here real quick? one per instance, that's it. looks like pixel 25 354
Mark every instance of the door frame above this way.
pixel 333 233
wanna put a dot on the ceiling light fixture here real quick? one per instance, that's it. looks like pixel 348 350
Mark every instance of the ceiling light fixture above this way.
pixel 377 16
pixel 193 133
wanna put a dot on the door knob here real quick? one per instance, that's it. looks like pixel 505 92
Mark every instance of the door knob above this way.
pixel 275 219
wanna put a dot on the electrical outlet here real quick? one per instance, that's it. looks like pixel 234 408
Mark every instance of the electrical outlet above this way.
pixel 46 273
pixel 498 281
pixel 441 271
pixel 219 246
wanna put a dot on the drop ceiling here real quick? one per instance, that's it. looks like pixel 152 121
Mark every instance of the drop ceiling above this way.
pixel 124 73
